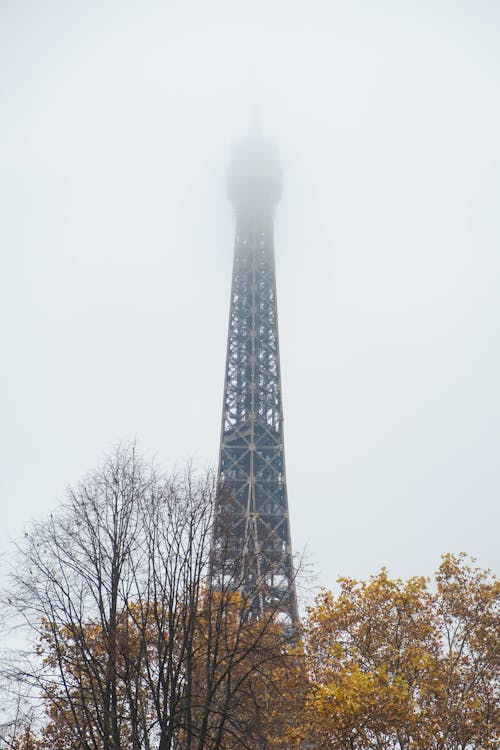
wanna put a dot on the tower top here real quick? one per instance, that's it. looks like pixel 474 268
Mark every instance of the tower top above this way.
pixel 254 178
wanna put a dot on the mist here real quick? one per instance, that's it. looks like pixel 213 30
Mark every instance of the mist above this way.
pixel 117 125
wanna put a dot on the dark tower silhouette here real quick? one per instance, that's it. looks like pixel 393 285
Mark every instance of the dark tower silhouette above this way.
pixel 252 545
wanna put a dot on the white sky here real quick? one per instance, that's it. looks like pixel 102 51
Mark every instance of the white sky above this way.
pixel 117 121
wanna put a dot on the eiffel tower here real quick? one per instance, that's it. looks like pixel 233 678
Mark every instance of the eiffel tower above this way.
pixel 251 543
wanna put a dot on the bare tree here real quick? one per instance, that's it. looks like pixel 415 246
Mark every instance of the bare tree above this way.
pixel 135 644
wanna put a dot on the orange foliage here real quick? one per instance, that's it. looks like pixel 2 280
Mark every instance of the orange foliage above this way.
pixel 223 681
pixel 394 665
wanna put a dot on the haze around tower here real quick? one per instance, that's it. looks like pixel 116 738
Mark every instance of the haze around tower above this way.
pixel 254 177
pixel 117 128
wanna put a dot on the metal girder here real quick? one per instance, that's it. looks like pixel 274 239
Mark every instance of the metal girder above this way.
pixel 252 495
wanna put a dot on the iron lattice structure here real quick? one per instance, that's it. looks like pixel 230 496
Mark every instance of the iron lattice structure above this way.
pixel 252 494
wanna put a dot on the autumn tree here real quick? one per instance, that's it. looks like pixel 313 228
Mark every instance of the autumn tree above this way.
pixel 401 665
pixel 135 645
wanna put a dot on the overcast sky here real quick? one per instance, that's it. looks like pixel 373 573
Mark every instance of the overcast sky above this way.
pixel 116 126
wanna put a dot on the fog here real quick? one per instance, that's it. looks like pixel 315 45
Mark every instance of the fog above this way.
pixel 116 128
